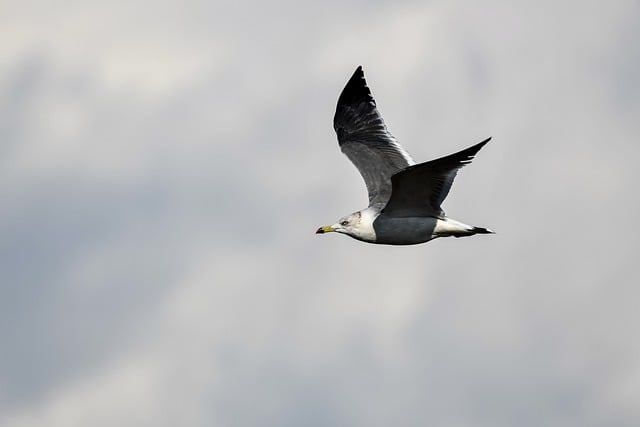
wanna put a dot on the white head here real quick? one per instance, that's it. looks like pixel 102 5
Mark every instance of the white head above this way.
pixel 358 225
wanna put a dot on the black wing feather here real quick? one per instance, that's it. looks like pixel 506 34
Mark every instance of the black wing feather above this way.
pixel 420 189
pixel 363 137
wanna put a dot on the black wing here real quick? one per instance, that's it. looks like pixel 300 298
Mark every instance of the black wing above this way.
pixel 420 189
pixel 365 140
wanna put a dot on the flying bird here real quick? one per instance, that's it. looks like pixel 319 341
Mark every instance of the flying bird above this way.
pixel 404 197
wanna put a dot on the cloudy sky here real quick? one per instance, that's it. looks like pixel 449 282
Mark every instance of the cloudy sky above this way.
pixel 163 167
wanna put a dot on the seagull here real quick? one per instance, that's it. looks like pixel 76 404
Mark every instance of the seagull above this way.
pixel 404 197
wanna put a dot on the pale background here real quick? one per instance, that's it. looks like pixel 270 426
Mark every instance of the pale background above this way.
pixel 164 165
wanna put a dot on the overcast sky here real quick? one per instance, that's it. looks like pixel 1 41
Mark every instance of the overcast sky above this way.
pixel 164 165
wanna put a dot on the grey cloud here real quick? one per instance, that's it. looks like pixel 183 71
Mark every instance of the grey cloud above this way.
pixel 156 229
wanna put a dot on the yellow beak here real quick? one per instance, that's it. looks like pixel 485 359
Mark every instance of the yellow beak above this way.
pixel 325 229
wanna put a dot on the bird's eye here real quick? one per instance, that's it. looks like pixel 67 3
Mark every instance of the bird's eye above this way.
pixel 344 223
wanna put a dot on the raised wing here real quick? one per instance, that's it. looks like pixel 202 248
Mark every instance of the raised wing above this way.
pixel 420 189
pixel 365 140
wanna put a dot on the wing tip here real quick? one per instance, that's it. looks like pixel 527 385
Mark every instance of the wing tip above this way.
pixel 356 89
pixel 473 150
pixel 483 143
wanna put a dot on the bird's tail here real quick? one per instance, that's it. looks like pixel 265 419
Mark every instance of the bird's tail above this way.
pixel 451 227
pixel 482 230
pixel 471 231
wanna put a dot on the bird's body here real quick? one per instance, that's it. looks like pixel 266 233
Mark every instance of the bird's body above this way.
pixel 416 229
pixel 371 226
pixel 404 197
pixel 403 231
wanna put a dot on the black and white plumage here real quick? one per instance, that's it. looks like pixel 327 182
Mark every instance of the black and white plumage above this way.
pixel 404 197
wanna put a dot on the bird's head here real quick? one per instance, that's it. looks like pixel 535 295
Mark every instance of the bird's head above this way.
pixel 355 225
